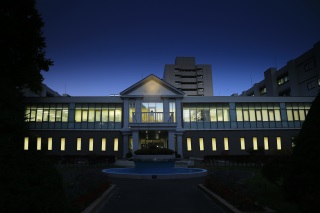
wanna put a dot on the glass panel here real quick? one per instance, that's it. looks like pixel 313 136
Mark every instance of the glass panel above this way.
pixel 295 115
pixel 213 114
pixel 186 115
pixel 289 115
pixel 91 115
pixel 77 116
pixel 264 115
pixel 239 114
pixel 259 115
pixel 252 115
pixel 220 115
pixel 84 115
pixel 226 114
pixel 98 115
pixel 245 115
pixel 52 115
pixel 105 115
pixel 302 115
pixel 271 115
pixel 277 115
pixel 118 115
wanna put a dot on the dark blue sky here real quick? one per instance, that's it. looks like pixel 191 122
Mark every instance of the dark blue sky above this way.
pixel 101 47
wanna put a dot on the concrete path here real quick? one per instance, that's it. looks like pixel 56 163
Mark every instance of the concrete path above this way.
pixel 155 196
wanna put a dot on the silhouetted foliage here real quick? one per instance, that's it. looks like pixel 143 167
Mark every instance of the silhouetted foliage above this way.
pixel 28 180
pixel 302 183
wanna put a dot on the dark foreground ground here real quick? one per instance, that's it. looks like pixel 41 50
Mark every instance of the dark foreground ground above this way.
pixel 153 196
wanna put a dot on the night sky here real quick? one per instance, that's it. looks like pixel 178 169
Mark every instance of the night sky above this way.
pixel 101 47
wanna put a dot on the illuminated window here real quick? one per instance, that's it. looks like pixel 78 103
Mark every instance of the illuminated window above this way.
pixel 278 143
pixel 282 80
pixel 115 144
pixel 226 143
pixel 263 90
pixel 78 144
pixel 201 145
pixel 91 144
pixel 266 143
pixel 26 143
pixel 63 144
pixel 242 144
pixel 103 144
pixel 255 143
pixel 49 143
pixel 214 144
pixel 39 143
pixel 189 148
pixel 47 113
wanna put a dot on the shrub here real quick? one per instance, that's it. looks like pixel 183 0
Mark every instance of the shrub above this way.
pixel 154 151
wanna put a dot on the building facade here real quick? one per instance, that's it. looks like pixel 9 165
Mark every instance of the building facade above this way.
pixel 191 78
pixel 153 112
pixel 300 77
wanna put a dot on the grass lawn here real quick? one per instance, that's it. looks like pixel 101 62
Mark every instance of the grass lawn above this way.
pixel 256 186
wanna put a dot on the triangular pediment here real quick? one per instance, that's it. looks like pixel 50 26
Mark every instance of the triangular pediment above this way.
pixel 152 86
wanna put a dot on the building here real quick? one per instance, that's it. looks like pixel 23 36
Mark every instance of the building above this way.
pixel 191 78
pixel 300 77
pixel 154 112
pixel 45 92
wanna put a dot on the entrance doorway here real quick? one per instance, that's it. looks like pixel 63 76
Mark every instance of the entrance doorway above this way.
pixel 153 138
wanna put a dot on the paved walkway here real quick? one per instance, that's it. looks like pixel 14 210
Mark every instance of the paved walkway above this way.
pixel 158 196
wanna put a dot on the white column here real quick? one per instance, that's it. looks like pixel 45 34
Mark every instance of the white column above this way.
pixel 125 113
pixel 125 144
pixel 179 141
pixel 135 140
pixel 171 140
pixel 166 109
pixel 138 110
pixel 178 113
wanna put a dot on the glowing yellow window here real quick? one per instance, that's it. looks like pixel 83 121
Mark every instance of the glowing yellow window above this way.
pixel 26 143
pixel 278 143
pixel 242 144
pixel 115 144
pixel 103 144
pixel 255 143
pixel 38 143
pixel 78 144
pixel 201 145
pixel 63 144
pixel 214 144
pixel 49 143
pixel 226 143
pixel 91 144
pixel 189 144
pixel 266 143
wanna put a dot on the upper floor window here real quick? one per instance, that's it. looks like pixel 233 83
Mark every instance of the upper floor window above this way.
pixel 258 112
pixel 282 80
pixel 297 111
pixel 206 112
pixel 98 113
pixel 263 90
pixel 47 113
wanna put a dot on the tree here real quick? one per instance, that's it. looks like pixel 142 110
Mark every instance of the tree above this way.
pixel 302 184
pixel 28 180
